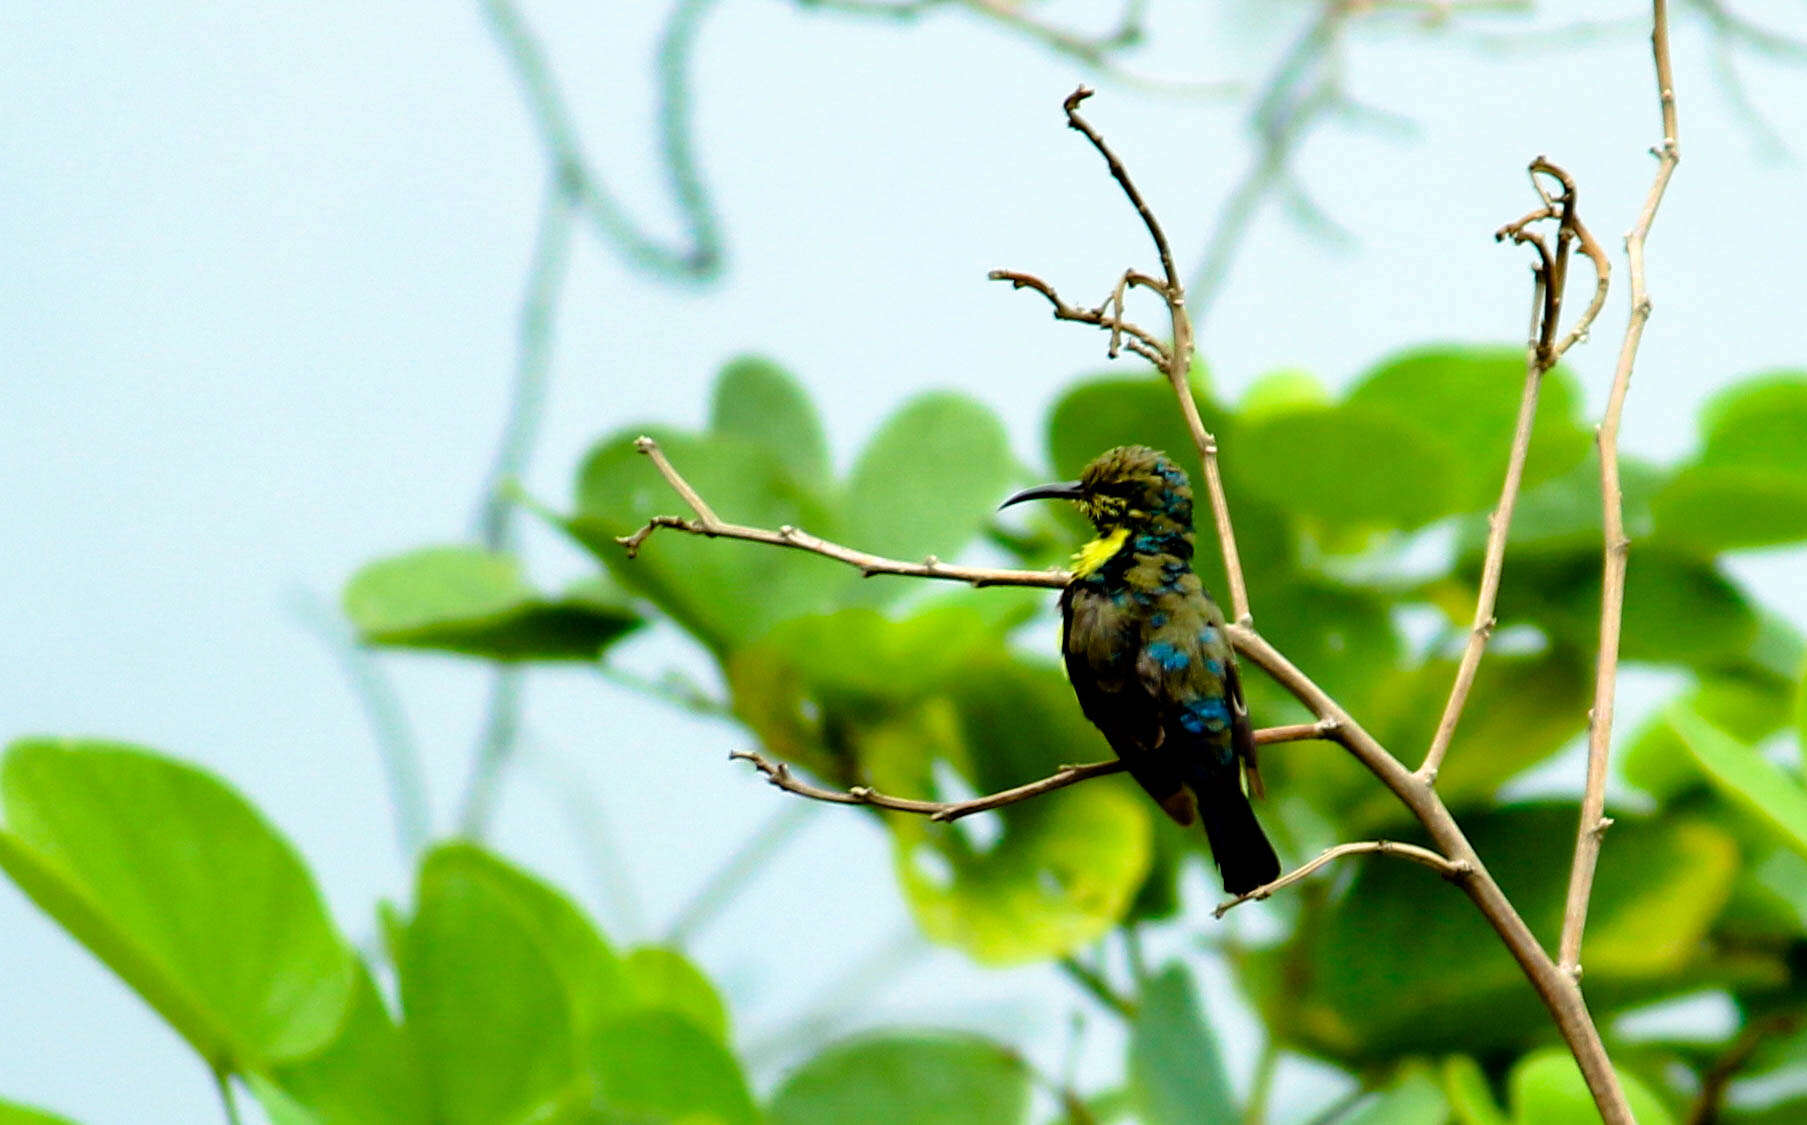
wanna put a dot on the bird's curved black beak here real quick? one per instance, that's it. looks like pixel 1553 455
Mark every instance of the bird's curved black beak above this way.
pixel 1065 490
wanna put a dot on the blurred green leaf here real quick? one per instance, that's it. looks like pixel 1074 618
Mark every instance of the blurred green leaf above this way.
pixel 928 481
pixel 658 1066
pixel 1657 761
pixel 1466 399
pixel 1562 516
pixel 1745 776
pixel 486 1005
pixel 468 600
pixel 1748 486
pixel 1321 463
pixel 1278 392
pixel 723 592
pixel 12 1113
pixel 1100 414
pixel 897 1079
pixel 367 1075
pixel 1175 1065
pixel 759 402
pixel 1470 1100
pixel 664 980
pixel 1413 1097
pixel 179 886
pixel 1547 1089
pixel 1401 966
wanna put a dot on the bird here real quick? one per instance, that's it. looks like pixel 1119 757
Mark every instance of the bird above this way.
pixel 1149 659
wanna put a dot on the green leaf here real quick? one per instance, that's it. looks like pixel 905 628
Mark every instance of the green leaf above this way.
pixel 757 401
pixel 367 1075
pixel 12 1113
pixel 1401 963
pixel 1322 463
pixel 1563 515
pixel 1470 1100
pixel 487 1007
pixel 924 1079
pixel 724 592
pixel 1547 1089
pixel 1175 1065
pixel 1751 781
pixel 657 979
pixel 1102 414
pixel 179 886
pixel 659 1066
pixel 1413 1097
pixel 1657 761
pixel 471 601
pixel 1278 392
pixel 1066 866
pixel 1466 399
pixel 1748 486
pixel 929 480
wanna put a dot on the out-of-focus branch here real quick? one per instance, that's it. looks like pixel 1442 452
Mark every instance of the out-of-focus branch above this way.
pixel 1594 821
pixel 698 256
pixel 1449 869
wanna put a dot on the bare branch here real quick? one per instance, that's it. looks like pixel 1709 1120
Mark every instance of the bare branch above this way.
pixel 1449 869
pixel 1541 354
pixel 708 524
pixel 1594 822
pixel 781 776
pixel 1108 315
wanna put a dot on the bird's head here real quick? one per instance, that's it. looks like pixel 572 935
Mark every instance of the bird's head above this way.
pixel 1131 487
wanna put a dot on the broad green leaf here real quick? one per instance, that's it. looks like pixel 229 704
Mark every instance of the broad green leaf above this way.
pixel 1547 1089
pixel 1327 464
pixel 181 888
pixel 1560 594
pixel 1401 964
pixel 1175 1065
pixel 1066 866
pixel 1278 392
pixel 1466 399
pixel 13 1114
pixel 366 1076
pixel 1101 414
pixel 758 401
pixel 1657 761
pixel 487 1007
pixel 1470 1100
pixel 929 480
pixel 1413 1097
pixel 894 1079
pixel 724 592
pixel 665 980
pixel 660 1067
pixel 472 601
pixel 1748 486
pixel 1745 776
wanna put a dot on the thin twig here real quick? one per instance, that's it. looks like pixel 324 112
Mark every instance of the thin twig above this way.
pixel 1541 354
pixel 1449 869
pixel 780 775
pixel 707 523
pixel 1108 316
pixel 1594 822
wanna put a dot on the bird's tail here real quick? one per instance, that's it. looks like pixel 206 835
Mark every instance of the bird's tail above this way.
pixel 1245 859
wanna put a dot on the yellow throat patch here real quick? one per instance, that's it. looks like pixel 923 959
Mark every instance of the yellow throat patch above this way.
pixel 1098 552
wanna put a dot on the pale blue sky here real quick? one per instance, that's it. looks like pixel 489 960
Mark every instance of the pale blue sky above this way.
pixel 259 268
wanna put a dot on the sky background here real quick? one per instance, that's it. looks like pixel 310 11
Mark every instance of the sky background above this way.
pixel 259 275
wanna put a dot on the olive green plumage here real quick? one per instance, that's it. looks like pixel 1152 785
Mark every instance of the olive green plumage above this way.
pixel 1149 660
